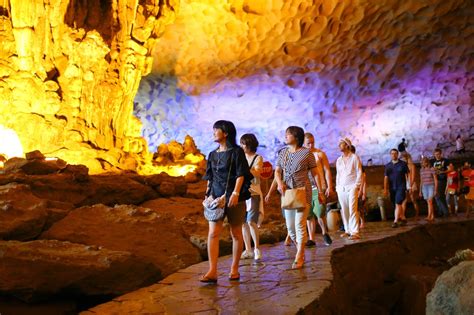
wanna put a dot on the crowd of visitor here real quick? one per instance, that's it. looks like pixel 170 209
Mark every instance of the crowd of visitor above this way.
pixel 303 178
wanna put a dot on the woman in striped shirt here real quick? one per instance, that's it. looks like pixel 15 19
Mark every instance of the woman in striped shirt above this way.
pixel 291 172
pixel 428 186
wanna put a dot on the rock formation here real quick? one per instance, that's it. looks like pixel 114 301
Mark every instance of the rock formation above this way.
pixel 375 72
pixel 452 293
pixel 152 236
pixel 37 270
pixel 69 72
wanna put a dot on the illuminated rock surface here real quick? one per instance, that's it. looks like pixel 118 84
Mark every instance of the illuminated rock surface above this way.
pixel 69 72
pixel 375 71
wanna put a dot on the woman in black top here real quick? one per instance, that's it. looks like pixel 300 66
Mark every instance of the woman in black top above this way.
pixel 229 158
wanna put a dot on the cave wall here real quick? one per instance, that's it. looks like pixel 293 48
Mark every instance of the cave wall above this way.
pixel 69 70
pixel 373 71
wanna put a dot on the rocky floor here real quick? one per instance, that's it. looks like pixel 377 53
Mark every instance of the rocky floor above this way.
pixel 349 276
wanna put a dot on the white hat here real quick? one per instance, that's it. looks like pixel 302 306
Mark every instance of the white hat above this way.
pixel 346 141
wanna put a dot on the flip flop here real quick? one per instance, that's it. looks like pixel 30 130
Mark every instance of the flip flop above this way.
pixel 205 279
pixel 235 277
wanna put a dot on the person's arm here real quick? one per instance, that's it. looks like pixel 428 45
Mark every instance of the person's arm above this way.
pixel 363 189
pixel 317 179
pixel 257 167
pixel 208 175
pixel 280 184
pixel 412 173
pixel 234 198
pixel 385 185
pixel 436 184
pixel 358 173
pixel 408 176
pixel 208 189
pixel 327 174
pixel 273 187
pixel 421 185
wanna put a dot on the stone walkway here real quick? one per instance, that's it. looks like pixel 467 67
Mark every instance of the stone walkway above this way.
pixel 266 287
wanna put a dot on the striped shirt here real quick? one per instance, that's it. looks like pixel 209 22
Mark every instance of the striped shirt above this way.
pixel 426 176
pixel 295 166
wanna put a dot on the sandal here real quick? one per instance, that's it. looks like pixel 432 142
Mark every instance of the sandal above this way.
pixel 297 265
pixel 234 277
pixel 206 279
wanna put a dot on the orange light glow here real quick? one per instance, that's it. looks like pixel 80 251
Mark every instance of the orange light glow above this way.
pixel 172 170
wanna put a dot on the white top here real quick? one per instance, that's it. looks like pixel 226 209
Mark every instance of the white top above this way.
pixel 256 169
pixel 459 144
pixel 348 172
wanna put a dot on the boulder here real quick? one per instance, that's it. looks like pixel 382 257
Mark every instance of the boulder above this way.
pixel 34 155
pixel 164 184
pixel 70 188
pixel 153 237
pixel 179 207
pixel 32 271
pixel 22 214
pixel 80 173
pixel 14 165
pixel 453 291
pixel 196 190
pixel 34 164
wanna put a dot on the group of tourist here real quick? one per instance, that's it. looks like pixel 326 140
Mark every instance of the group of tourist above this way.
pixel 303 178
pixel 439 180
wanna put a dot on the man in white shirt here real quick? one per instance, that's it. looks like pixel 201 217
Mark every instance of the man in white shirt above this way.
pixel 348 181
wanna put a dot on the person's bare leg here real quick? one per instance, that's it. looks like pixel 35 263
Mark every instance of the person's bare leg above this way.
pixel 215 229
pixel 415 204
pixel 430 210
pixel 255 236
pixel 311 224
pixel 323 224
pixel 246 234
pixel 237 246
pixel 397 213
pixel 288 240
pixel 362 220
pixel 403 209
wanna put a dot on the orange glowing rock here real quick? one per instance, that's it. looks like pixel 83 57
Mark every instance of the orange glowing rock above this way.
pixel 70 71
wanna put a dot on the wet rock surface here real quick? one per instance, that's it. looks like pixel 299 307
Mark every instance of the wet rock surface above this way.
pixel 348 277
pixel 36 270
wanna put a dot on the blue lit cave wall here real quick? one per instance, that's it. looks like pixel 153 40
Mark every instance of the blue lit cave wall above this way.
pixel 429 108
